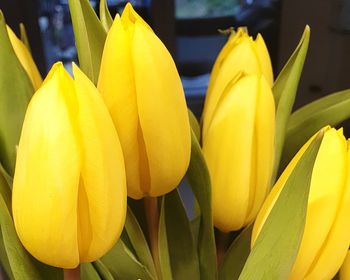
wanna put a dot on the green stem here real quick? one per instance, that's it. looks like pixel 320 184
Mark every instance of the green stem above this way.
pixel 72 274
pixel 222 241
pixel 152 218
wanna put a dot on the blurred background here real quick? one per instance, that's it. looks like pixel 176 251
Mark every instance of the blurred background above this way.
pixel 189 28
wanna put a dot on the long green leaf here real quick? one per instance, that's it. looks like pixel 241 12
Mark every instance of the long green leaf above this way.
pixel 164 257
pixel 285 89
pixel 102 270
pixel 183 254
pixel 305 122
pixel 123 264
pixel 139 242
pixel 14 99
pixel 24 37
pixel 277 245
pixel 198 177
pixel 89 37
pixel 236 256
pixel 105 16
pixel 88 272
pixel 194 124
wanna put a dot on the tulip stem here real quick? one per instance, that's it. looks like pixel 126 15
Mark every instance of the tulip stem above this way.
pixel 222 241
pixel 72 274
pixel 152 217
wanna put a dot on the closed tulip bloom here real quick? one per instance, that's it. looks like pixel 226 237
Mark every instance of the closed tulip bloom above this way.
pixel 142 90
pixel 69 189
pixel 326 236
pixel 25 58
pixel 240 54
pixel 238 149
pixel 344 273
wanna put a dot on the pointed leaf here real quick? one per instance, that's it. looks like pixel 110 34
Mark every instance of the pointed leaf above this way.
pixel 89 37
pixel 276 247
pixel 236 256
pixel 88 272
pixel 305 122
pixel 123 264
pixel 139 242
pixel 14 99
pixel 198 177
pixel 105 16
pixel 194 124
pixel 285 89
pixel 183 255
pixel 102 270
pixel 164 257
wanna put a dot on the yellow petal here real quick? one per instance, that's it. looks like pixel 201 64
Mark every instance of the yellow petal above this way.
pixel 264 148
pixel 25 58
pixel 228 149
pixel 45 187
pixel 336 245
pixel 344 273
pixel 241 59
pixel 117 86
pixel 102 191
pixel 162 111
pixel 129 17
pixel 264 58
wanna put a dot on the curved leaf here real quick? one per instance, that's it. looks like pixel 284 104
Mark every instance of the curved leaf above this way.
pixel 198 177
pixel 24 37
pixel 102 270
pixel 88 272
pixel 275 250
pixel 89 37
pixel 182 252
pixel 305 122
pixel 194 124
pixel 105 16
pixel 285 89
pixel 236 256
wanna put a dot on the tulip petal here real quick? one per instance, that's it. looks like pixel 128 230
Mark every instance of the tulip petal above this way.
pixel 102 191
pixel 264 58
pixel 117 86
pixel 25 58
pixel 242 59
pixel 47 174
pixel 264 138
pixel 129 17
pixel 230 162
pixel 162 111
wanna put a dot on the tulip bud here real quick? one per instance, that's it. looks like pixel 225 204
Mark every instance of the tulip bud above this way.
pixel 238 148
pixel 142 90
pixel 326 236
pixel 344 273
pixel 25 58
pixel 69 189
pixel 240 54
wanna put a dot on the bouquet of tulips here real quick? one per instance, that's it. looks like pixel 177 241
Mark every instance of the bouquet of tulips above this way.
pixel 91 162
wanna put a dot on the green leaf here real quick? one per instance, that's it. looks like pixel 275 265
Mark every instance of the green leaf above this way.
pixel 277 245
pixel 305 122
pixel 139 242
pixel 236 256
pixel 198 177
pixel 105 16
pixel 123 264
pixel 4 261
pixel 88 272
pixel 24 37
pixel 14 99
pixel 164 257
pixel 285 89
pixel 183 254
pixel 102 270
pixel 194 124
pixel 89 37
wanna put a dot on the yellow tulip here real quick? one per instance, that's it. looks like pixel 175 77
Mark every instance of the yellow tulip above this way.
pixel 344 273
pixel 69 189
pixel 240 54
pixel 238 148
pixel 326 236
pixel 25 58
pixel 142 90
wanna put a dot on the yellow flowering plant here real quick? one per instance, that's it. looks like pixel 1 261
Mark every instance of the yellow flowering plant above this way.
pixel 90 164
